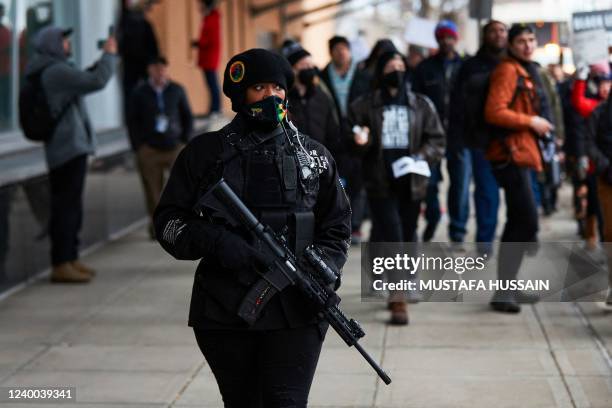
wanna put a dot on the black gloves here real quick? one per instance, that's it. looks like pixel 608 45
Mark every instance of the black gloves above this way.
pixel 234 253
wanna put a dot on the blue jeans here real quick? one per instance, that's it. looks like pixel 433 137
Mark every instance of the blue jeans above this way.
pixel 459 167
pixel 486 198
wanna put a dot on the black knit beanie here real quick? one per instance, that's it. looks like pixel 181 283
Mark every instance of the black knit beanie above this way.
pixel 294 52
pixel 252 67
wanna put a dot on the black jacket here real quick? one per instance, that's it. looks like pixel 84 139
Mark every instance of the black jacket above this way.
pixel 143 110
pixel 137 43
pixel 599 136
pixel 575 125
pixel 360 85
pixel 349 165
pixel 217 292
pixel 314 114
pixel 425 133
pixel 432 80
pixel 469 95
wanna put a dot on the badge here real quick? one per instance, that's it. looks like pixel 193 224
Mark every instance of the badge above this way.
pixel 236 71
pixel 161 123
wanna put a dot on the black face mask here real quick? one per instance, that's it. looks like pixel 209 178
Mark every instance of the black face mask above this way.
pixel 307 76
pixel 394 79
pixel 265 114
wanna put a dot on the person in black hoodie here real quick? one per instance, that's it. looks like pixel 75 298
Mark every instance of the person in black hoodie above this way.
pixel 272 362
pixel 395 122
pixel 469 128
pixel 311 108
pixel 159 125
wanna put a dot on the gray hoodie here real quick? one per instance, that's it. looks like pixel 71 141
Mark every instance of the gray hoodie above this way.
pixel 64 84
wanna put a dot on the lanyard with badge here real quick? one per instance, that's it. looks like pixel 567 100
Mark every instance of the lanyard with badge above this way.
pixel 161 120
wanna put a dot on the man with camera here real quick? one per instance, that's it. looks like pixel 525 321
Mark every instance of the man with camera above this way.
pixel 72 140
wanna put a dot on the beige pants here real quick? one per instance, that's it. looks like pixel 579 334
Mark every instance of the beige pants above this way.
pixel 152 164
pixel 604 191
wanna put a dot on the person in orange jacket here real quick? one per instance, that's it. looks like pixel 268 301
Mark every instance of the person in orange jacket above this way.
pixel 516 103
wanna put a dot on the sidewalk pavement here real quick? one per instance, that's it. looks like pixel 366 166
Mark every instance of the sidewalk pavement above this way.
pixel 122 341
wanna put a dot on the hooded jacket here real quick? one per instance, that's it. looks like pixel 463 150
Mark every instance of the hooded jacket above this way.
pixel 64 84
pixel 426 139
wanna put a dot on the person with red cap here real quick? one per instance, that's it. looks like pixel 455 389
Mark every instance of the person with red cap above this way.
pixel 435 77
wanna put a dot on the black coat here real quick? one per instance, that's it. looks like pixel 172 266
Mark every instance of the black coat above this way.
pixel 360 85
pixel 599 136
pixel 143 110
pixel 349 165
pixel 575 125
pixel 137 43
pixel 314 114
pixel 430 79
pixel 426 138
pixel 217 292
pixel 469 94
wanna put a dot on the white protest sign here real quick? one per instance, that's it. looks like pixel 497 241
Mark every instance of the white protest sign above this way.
pixel 420 31
pixel 590 47
pixel 407 164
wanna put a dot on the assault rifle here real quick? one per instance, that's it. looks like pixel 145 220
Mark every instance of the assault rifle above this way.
pixel 310 274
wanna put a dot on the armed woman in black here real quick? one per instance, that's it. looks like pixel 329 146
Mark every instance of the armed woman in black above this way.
pixel 271 363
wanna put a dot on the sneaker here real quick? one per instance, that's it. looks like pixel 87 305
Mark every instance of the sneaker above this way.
pixel 595 254
pixel 414 296
pixel 505 302
pixel 526 298
pixel 429 232
pixel 399 314
pixel 66 273
pixel 506 307
pixel 458 248
pixel 84 269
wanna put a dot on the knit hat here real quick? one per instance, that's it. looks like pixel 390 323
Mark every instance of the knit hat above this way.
pixel 601 70
pixel 252 67
pixel 338 39
pixel 293 51
pixel 446 28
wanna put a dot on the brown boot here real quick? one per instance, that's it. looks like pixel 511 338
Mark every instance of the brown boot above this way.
pixel 79 266
pixel 399 313
pixel 66 273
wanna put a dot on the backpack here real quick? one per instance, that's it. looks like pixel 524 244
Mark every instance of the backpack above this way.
pixel 35 117
pixel 477 132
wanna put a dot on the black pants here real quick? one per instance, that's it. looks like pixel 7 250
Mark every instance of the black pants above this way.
pixel 67 182
pixel 395 217
pixel 521 218
pixel 262 369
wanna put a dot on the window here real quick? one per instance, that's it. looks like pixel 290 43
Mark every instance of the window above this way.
pixel 6 64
